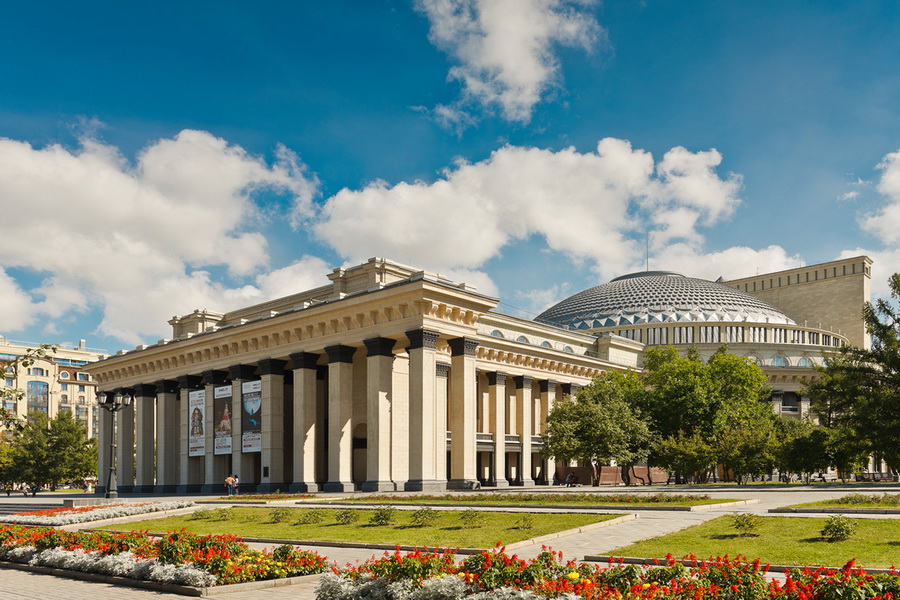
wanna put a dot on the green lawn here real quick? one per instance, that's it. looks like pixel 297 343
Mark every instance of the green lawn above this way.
pixel 548 499
pixel 855 500
pixel 448 530
pixel 779 540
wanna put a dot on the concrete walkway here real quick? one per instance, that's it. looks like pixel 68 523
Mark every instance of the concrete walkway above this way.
pixel 19 585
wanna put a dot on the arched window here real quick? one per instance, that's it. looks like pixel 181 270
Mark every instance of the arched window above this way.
pixel 546 344
pixel 779 361
pixel 804 362
pixel 496 333
pixel 568 349
pixel 522 338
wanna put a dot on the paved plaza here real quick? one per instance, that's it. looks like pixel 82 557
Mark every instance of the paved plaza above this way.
pixel 20 585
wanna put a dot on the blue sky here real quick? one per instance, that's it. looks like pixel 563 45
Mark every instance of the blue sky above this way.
pixel 161 157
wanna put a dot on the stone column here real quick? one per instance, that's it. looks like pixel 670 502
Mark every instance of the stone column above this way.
pixel 215 467
pixel 167 435
pixel 461 413
pixel 241 463
pixel 307 422
pixel 340 411
pixel 379 396
pixel 524 427
pixel 145 414
pixel 422 445
pixel 441 426
pixel 497 426
pixel 125 447
pixel 190 471
pixel 548 400
pixel 273 426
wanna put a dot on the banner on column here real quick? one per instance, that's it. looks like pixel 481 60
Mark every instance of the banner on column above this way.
pixel 251 416
pixel 222 410
pixel 196 423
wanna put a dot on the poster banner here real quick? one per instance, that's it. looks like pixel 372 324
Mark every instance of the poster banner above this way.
pixel 196 423
pixel 251 421
pixel 222 412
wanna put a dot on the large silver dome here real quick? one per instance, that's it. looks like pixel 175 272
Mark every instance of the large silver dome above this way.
pixel 660 297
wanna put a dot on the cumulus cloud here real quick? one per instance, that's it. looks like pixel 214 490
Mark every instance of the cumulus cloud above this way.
pixel 133 239
pixel 883 223
pixel 588 206
pixel 504 49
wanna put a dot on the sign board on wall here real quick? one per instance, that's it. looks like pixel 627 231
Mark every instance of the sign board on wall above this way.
pixel 222 420
pixel 251 416
pixel 197 423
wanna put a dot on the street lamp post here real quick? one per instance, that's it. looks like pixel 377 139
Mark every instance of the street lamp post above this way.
pixel 113 402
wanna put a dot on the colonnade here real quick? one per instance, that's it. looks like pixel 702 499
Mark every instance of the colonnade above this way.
pixel 382 414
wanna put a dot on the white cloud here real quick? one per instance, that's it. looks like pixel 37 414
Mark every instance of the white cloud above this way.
pixel 130 238
pixel 732 263
pixel 589 206
pixel 504 49
pixel 884 223
pixel 17 311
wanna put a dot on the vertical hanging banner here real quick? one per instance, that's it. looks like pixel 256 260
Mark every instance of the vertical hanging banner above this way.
pixel 251 416
pixel 222 412
pixel 196 423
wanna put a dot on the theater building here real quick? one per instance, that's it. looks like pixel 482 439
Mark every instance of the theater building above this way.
pixel 389 378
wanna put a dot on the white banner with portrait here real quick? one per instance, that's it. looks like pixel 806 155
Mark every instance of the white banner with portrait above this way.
pixel 197 423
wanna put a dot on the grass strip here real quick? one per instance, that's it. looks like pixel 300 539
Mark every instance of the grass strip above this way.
pixel 450 529
pixel 778 540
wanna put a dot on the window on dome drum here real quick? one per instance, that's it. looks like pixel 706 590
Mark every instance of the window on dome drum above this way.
pixel 496 333
pixel 568 349
pixel 710 335
pixel 546 344
pixel 804 362
pixel 522 338
pixel 779 361
pixel 734 335
pixel 683 335
pixel 658 336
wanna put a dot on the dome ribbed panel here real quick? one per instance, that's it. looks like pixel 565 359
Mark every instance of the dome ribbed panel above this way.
pixel 660 297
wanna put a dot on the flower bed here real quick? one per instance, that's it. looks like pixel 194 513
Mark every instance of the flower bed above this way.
pixel 272 496
pixel 85 514
pixel 544 498
pixel 423 575
pixel 178 557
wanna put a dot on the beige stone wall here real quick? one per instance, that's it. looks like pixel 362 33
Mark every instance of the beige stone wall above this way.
pixel 828 296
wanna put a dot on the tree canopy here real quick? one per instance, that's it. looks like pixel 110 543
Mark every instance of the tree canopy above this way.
pixel 49 451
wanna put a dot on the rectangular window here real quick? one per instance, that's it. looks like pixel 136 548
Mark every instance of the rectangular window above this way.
pixel 64 386
pixel 81 388
pixel 84 377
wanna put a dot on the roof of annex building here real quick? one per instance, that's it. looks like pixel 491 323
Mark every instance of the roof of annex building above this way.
pixel 659 297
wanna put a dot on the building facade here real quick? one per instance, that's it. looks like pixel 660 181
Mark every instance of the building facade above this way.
pixel 56 383
pixel 389 378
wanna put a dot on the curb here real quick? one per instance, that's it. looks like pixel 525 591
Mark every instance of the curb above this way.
pixel 552 536
pixel 633 560
pixel 553 508
pixel 824 510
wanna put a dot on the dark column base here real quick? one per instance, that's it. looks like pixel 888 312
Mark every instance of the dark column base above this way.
pixel 425 485
pixel 303 488
pixel 144 489
pixel 500 483
pixel 339 486
pixel 272 488
pixel 218 489
pixel 463 484
pixel 378 486
pixel 524 483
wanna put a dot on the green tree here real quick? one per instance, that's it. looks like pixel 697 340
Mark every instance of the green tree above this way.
pixel 803 448
pixel 859 389
pixel 602 425
pixel 746 439
pixel 691 456
pixel 51 451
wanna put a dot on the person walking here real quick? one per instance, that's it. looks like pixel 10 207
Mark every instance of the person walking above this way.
pixel 237 483
pixel 229 485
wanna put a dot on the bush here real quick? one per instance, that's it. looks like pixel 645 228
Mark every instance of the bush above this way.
pixel 201 515
pixel 525 521
pixel 310 517
pixel 280 515
pixel 346 516
pixel 383 516
pixel 424 517
pixel 746 524
pixel 471 518
pixel 838 528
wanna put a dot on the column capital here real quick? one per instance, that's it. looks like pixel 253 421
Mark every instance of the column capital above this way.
pixel 523 381
pixel 189 382
pixel 340 354
pixel 145 389
pixel 271 366
pixel 423 338
pixel 242 372
pixel 462 346
pixel 304 360
pixel 496 378
pixel 380 346
pixel 442 369
pixel 546 385
pixel 166 386
pixel 214 377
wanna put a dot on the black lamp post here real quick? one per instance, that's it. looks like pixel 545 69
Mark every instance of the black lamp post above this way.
pixel 113 402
